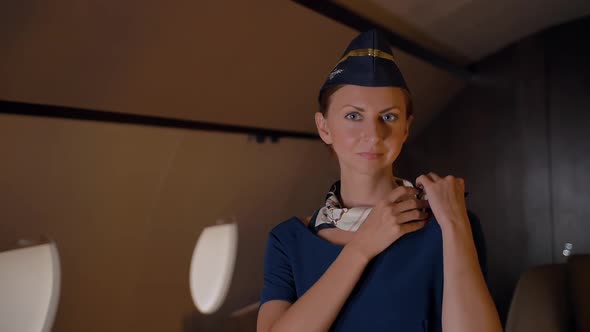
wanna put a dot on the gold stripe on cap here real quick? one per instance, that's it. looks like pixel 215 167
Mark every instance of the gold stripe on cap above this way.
pixel 367 52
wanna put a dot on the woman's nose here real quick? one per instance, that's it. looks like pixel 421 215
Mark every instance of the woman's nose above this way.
pixel 374 130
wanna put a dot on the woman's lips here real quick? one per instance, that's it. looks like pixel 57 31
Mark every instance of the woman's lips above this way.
pixel 370 156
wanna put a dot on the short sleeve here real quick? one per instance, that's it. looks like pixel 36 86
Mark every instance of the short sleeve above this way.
pixel 278 275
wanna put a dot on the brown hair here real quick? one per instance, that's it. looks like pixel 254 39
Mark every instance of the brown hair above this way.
pixel 325 101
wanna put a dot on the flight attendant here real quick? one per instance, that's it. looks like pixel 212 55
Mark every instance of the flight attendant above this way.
pixel 380 254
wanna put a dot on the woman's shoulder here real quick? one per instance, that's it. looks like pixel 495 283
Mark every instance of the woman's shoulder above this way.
pixel 290 225
pixel 304 220
pixel 289 232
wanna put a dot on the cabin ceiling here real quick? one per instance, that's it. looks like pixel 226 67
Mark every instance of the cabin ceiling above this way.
pixel 255 63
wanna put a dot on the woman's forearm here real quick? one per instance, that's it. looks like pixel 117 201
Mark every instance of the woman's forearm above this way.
pixel 467 303
pixel 317 309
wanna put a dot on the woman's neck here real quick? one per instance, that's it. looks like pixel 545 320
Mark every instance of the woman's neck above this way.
pixel 365 189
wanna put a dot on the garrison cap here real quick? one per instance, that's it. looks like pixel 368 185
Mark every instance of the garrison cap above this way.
pixel 367 61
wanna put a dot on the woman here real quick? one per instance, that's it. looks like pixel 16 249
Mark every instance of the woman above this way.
pixel 373 257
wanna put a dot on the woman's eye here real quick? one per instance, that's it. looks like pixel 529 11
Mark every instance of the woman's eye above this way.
pixel 389 117
pixel 352 116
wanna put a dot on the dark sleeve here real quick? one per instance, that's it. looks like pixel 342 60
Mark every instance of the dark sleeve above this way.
pixel 278 276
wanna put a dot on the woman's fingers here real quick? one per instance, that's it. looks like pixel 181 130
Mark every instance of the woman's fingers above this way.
pixel 408 216
pixel 423 181
pixel 430 177
pixel 410 227
pixel 400 194
pixel 411 221
pixel 433 176
pixel 410 204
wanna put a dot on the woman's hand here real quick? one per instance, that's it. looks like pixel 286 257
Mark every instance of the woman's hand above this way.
pixel 396 215
pixel 466 304
pixel 447 198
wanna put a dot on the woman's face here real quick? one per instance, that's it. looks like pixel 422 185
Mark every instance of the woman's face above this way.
pixel 366 127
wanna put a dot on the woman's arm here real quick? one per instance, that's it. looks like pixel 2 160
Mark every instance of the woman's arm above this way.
pixel 319 306
pixel 467 304
pixel 317 309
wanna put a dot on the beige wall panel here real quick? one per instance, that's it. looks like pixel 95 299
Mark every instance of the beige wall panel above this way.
pixel 258 63
pixel 127 203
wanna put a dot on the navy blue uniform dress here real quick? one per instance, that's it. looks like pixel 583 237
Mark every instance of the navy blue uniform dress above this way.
pixel 400 289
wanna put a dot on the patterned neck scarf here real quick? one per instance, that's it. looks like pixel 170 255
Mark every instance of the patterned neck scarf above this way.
pixel 333 215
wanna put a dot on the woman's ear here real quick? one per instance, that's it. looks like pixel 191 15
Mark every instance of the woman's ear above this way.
pixel 323 130
pixel 408 125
